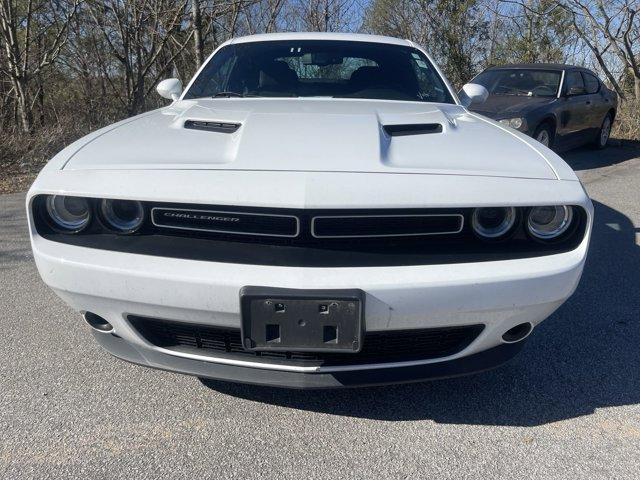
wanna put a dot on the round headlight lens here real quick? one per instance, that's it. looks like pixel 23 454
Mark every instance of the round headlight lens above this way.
pixel 516 122
pixel 493 222
pixel 550 221
pixel 68 213
pixel 126 216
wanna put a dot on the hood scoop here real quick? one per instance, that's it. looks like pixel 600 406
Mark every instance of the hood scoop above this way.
pixel 402 130
pixel 218 127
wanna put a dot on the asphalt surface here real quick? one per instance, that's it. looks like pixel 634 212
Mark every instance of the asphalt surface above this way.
pixel 566 407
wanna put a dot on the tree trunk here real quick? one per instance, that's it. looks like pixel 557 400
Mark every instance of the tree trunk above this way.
pixel 25 114
pixel 636 88
pixel 197 32
pixel 138 103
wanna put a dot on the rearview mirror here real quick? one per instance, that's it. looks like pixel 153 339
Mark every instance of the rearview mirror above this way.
pixel 321 59
pixel 472 93
pixel 170 88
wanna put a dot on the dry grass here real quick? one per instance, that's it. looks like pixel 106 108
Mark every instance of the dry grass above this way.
pixel 22 155
pixel 627 124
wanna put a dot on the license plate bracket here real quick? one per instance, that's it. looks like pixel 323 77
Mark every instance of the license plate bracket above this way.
pixel 282 319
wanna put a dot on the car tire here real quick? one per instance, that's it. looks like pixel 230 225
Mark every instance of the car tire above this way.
pixel 604 133
pixel 545 134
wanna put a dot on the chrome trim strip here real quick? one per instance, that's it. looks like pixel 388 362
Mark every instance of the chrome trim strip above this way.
pixel 460 216
pixel 225 213
pixel 298 369
pixel 561 85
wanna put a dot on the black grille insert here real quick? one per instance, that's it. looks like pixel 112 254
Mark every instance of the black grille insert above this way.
pixel 362 226
pixel 239 223
pixel 379 347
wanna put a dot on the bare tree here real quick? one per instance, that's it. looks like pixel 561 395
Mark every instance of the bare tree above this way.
pixel 610 28
pixel 321 15
pixel 262 15
pixel 454 31
pixel 33 34
pixel 534 31
pixel 139 34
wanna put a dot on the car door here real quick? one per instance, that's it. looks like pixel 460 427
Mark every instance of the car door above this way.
pixel 574 111
pixel 599 105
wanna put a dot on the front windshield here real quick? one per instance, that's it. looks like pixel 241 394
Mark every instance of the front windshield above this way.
pixel 520 82
pixel 320 68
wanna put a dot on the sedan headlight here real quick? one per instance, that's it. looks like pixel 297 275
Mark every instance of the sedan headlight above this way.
pixel 70 214
pixel 517 122
pixel 493 222
pixel 125 216
pixel 549 222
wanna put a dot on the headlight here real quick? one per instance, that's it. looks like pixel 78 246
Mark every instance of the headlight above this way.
pixel 71 214
pixel 493 222
pixel 125 216
pixel 516 123
pixel 549 222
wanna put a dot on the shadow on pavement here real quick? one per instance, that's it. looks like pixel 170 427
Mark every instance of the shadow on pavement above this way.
pixel 584 357
pixel 586 158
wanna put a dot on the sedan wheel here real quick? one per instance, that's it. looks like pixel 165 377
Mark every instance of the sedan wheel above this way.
pixel 543 135
pixel 543 138
pixel 605 132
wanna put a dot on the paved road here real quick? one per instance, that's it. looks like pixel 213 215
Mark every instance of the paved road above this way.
pixel 567 407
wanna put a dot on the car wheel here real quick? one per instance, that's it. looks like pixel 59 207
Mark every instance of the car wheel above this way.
pixel 544 134
pixel 604 133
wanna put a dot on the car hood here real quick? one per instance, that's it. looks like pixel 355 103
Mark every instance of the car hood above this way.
pixel 504 106
pixel 312 135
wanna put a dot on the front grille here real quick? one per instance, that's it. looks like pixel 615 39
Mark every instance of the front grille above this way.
pixel 313 238
pixel 379 347
pixel 303 226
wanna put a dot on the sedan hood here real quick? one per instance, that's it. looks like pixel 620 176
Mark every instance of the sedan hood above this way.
pixel 504 106
pixel 307 135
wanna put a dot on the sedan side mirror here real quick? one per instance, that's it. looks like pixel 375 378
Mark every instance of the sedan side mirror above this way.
pixel 472 93
pixel 576 90
pixel 170 88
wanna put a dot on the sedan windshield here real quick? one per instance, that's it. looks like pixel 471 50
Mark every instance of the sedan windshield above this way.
pixel 520 82
pixel 320 68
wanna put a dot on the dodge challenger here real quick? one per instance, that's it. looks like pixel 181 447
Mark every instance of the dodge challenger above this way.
pixel 313 210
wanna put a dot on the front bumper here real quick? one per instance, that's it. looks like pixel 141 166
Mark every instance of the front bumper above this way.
pixel 499 295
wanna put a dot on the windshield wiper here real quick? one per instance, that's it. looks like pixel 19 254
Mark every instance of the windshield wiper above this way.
pixel 233 94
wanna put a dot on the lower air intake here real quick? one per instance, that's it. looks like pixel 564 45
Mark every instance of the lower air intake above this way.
pixel 379 347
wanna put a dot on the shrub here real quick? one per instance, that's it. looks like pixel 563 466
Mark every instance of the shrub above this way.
pixel 627 124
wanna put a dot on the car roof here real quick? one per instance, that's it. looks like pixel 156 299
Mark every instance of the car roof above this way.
pixel 353 37
pixel 540 66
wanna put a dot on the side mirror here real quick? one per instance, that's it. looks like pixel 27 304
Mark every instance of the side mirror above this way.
pixel 170 88
pixel 576 90
pixel 472 93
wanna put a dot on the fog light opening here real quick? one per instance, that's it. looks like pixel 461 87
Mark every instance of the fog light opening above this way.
pixel 517 333
pixel 97 323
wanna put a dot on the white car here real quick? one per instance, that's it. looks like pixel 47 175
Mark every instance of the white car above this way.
pixel 313 210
